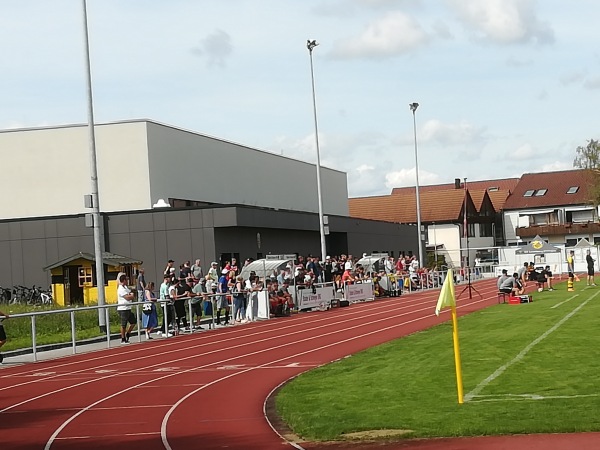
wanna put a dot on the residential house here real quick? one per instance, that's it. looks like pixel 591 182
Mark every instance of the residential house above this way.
pixel 553 205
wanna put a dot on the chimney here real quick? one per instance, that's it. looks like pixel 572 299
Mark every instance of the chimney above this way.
pixel 457 183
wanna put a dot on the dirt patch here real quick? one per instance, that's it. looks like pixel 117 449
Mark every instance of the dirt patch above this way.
pixel 376 434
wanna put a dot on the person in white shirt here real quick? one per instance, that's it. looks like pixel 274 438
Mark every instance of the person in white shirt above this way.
pixel 124 299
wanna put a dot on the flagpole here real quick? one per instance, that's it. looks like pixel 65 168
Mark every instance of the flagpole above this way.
pixel 446 299
pixel 457 365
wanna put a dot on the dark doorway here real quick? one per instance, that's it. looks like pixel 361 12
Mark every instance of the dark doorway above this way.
pixel 73 292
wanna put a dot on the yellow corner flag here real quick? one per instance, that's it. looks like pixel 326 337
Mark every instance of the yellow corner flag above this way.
pixel 447 298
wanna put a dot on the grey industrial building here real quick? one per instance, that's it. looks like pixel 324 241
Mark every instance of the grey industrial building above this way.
pixel 225 199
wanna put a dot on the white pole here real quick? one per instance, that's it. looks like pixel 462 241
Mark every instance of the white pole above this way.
pixel 413 108
pixel 98 232
pixel 311 45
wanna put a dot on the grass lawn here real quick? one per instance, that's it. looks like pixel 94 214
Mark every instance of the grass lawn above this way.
pixel 544 355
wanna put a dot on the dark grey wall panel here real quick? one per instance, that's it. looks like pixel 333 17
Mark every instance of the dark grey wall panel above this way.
pixel 120 244
pixel 16 258
pixel 196 220
pixel 32 229
pixel 118 223
pixel 14 230
pixel 72 226
pixel 178 220
pixel 34 259
pixel 179 246
pixel 6 267
pixel 4 231
pixel 141 222
pixel 225 217
pixel 50 228
pixel 52 253
pixel 160 221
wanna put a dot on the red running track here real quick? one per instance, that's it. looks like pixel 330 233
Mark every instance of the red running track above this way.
pixel 205 390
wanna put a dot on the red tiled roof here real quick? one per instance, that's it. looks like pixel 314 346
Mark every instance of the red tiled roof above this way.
pixel 556 183
pixel 498 198
pixel 503 184
pixel 436 206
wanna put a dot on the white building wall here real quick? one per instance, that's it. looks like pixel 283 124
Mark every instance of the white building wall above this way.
pixel 47 172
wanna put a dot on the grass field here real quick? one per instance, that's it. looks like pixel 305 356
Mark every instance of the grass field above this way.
pixel 526 369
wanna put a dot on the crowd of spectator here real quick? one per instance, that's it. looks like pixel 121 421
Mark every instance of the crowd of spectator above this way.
pixel 220 292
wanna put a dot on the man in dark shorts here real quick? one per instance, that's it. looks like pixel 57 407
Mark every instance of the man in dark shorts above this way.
pixel 184 291
pixel 124 299
pixel 2 333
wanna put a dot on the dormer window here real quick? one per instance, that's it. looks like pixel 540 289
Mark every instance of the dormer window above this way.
pixel 493 189
pixel 572 189
pixel 529 193
pixel 541 192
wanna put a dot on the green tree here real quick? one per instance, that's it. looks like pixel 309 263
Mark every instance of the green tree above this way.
pixel 588 158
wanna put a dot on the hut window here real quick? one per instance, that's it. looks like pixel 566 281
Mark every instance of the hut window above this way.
pixel 85 276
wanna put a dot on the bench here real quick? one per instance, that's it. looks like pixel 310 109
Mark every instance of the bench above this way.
pixel 502 295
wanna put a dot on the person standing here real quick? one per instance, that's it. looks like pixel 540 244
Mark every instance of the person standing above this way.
pixel 197 271
pixel 590 268
pixel 150 318
pixel 164 295
pixel 140 284
pixel 2 333
pixel 124 299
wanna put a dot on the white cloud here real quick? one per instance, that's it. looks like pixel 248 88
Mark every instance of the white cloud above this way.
pixel 394 34
pixel 406 177
pixel 592 83
pixel 572 77
pixel 504 21
pixel 555 166
pixel 216 46
pixel 450 134
pixel 524 152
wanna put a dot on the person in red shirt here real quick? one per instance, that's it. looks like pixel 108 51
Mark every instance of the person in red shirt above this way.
pixel 348 277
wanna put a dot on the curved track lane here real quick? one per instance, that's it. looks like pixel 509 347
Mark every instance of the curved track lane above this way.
pixel 206 390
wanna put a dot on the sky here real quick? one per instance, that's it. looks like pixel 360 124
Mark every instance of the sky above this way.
pixel 504 87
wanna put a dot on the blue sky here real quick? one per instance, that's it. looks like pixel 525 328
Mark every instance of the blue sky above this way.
pixel 505 86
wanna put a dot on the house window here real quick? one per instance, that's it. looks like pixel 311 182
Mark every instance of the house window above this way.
pixel 485 230
pixel 570 242
pixel 572 189
pixel 541 192
pixel 471 229
pixel 529 193
pixel 493 189
pixel 596 240
pixel 85 276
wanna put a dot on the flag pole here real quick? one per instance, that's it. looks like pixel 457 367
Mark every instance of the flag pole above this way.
pixel 446 299
pixel 457 365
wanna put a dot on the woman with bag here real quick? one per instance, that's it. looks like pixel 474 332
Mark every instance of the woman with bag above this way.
pixel 239 300
pixel 150 317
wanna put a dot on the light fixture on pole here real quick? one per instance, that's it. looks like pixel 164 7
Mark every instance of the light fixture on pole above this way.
pixel 413 108
pixel 311 45
pixel 96 218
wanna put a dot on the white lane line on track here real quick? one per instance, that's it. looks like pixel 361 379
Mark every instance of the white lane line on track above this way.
pixel 357 314
pixel 150 433
pixel 524 352
pixel 344 319
pixel 428 308
pixel 407 299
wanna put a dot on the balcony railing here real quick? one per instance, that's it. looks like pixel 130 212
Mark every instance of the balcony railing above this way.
pixel 558 229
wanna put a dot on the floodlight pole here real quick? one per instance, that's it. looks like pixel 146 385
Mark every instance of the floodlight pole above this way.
pixel 311 45
pixel 97 219
pixel 413 108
